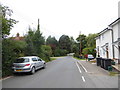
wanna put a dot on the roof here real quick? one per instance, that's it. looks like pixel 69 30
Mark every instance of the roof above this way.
pixel 17 37
pixel 108 28
pixel 116 21
pixel 28 56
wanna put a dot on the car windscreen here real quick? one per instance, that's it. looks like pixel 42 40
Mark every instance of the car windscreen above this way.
pixel 21 60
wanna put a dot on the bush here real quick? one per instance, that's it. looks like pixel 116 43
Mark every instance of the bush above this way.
pixel 60 52
pixel 46 52
pixel 10 51
pixel 76 55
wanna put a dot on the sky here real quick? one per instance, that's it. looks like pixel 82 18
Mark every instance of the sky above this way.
pixel 58 17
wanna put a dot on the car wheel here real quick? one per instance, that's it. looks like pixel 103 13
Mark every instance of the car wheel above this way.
pixel 33 70
pixel 44 66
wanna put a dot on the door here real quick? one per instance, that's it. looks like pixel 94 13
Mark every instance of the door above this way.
pixel 40 62
pixel 35 60
pixel 107 53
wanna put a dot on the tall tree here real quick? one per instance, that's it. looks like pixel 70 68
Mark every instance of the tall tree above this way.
pixel 65 43
pixel 30 44
pixel 51 41
pixel 7 21
pixel 90 45
pixel 35 40
pixel 81 39
pixel 91 42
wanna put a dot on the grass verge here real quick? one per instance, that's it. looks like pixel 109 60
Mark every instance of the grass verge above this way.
pixel 53 58
pixel 113 73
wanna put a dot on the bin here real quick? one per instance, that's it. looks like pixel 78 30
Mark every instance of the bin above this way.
pixel 102 62
pixel 107 63
pixel 98 61
pixel 109 68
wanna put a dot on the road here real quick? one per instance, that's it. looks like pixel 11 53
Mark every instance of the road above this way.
pixel 65 72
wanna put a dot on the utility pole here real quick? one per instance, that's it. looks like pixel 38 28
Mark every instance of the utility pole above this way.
pixel 80 44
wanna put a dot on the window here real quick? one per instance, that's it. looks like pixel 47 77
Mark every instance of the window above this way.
pixel 21 60
pixel 39 59
pixel 34 59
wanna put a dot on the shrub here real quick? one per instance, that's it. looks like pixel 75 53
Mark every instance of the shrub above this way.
pixel 10 51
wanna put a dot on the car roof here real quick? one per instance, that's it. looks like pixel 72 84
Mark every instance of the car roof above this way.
pixel 29 57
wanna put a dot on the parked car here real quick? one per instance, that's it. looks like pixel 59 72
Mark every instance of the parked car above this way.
pixel 28 64
pixel 90 57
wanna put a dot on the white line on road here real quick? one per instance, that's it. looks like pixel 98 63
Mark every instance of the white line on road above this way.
pixel 83 78
pixel 78 68
pixel 83 67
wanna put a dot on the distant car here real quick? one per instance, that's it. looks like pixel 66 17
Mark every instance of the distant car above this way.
pixel 28 64
pixel 90 57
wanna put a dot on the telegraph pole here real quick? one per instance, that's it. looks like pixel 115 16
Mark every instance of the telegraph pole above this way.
pixel 80 43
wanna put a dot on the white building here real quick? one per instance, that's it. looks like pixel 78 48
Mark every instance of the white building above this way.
pixel 108 41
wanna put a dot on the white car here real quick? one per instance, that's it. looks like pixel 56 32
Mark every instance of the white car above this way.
pixel 28 64
pixel 90 56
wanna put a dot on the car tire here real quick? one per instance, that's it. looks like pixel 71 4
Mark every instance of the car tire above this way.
pixel 33 70
pixel 44 66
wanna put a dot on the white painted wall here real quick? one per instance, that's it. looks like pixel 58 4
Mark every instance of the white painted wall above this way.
pixel 116 34
pixel 106 37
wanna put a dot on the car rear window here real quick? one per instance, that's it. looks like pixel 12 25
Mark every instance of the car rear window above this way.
pixel 21 60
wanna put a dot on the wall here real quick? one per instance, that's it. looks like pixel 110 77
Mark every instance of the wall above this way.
pixel 101 42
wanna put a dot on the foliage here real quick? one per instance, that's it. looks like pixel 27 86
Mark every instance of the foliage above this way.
pixel 82 39
pixel 34 41
pixel 10 51
pixel 76 55
pixel 7 21
pixel 91 42
pixel 89 50
pixel 46 52
pixel 65 43
pixel 30 45
pixel 60 52
pixel 53 43
pixel 73 44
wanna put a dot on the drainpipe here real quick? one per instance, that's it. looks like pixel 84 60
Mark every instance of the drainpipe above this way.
pixel 110 28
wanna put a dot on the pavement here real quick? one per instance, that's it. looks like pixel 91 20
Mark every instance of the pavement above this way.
pixel 64 72
pixel 117 67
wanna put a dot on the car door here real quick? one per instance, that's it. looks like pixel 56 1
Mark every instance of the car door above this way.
pixel 40 62
pixel 35 61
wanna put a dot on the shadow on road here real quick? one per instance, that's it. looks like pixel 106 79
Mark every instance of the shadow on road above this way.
pixel 26 73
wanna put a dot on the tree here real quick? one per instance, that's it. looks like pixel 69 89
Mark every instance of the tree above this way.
pixel 34 41
pixel 11 50
pixel 74 47
pixel 46 52
pixel 53 43
pixel 30 45
pixel 65 43
pixel 7 21
pixel 81 39
pixel 91 42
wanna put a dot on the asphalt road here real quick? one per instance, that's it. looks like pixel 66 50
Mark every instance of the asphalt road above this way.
pixel 65 72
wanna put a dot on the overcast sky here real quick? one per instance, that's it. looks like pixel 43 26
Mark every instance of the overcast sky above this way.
pixel 59 17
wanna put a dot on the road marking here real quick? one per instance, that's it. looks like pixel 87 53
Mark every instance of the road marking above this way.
pixel 83 78
pixel 78 68
pixel 83 67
